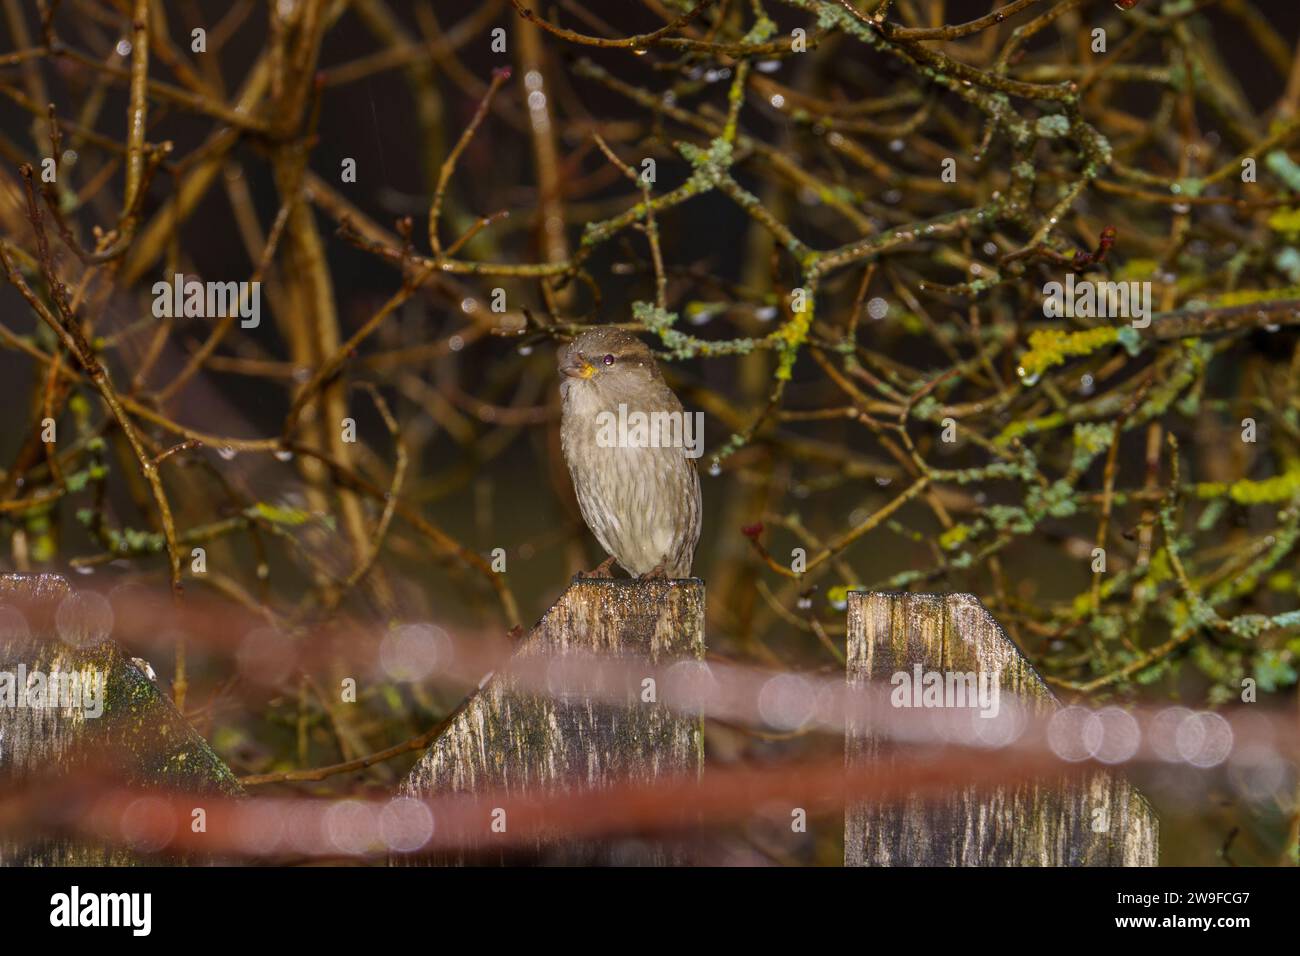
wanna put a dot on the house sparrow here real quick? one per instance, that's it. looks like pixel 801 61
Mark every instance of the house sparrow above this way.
pixel 638 488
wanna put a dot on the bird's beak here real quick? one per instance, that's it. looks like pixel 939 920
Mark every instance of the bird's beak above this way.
pixel 581 369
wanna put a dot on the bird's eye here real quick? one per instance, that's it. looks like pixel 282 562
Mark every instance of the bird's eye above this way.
pixel 609 360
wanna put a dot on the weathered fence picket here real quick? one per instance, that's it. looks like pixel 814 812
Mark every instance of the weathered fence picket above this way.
pixel 1096 821
pixel 139 735
pixel 509 741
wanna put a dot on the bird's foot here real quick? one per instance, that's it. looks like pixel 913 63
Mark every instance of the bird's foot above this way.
pixel 604 570
pixel 657 573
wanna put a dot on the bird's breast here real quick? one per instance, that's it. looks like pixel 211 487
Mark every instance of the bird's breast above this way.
pixel 640 501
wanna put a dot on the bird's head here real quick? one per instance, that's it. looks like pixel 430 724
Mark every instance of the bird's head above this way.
pixel 609 359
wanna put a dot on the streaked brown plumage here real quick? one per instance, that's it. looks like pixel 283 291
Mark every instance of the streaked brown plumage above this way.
pixel 641 503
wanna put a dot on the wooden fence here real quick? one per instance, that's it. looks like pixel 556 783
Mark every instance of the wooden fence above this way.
pixel 508 740
pixel 139 731
pixel 504 740
pixel 1097 821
